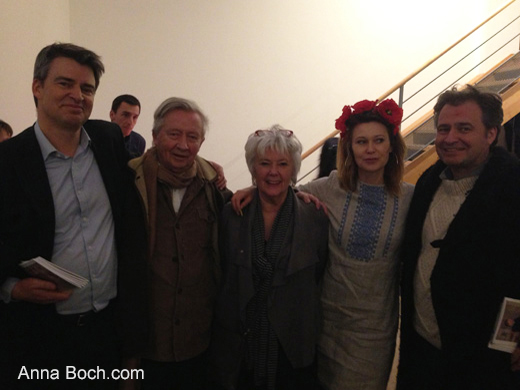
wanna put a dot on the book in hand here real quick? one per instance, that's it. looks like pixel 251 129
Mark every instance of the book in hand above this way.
pixel 507 328
pixel 61 277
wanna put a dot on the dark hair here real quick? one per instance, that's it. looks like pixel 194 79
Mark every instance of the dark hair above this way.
pixel 129 99
pixel 346 164
pixel 328 156
pixel 4 126
pixel 490 103
pixel 79 54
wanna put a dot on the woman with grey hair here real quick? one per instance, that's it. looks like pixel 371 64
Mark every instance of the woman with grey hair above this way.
pixel 367 204
pixel 273 257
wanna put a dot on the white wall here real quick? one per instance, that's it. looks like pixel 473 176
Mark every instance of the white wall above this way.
pixel 248 63
pixel 26 26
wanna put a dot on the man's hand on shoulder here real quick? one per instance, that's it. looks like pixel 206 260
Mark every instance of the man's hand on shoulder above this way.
pixel 221 178
pixel 242 198
pixel 38 291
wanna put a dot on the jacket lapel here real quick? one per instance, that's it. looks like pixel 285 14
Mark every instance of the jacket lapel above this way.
pixel 298 251
pixel 107 160
pixel 478 199
pixel 31 172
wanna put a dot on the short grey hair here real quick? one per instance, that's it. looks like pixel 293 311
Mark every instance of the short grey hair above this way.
pixel 274 138
pixel 176 103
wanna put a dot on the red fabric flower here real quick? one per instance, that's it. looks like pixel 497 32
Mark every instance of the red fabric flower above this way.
pixel 358 108
pixel 387 109
pixel 390 112
pixel 364 105
pixel 341 121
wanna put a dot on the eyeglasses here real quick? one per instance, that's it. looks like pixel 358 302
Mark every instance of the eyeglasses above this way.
pixel 284 132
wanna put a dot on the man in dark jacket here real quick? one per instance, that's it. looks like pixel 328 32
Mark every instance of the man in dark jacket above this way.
pixel 125 112
pixel 461 252
pixel 66 195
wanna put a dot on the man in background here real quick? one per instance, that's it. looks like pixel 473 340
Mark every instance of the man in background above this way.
pixel 6 131
pixel 125 112
pixel 461 252
pixel 66 195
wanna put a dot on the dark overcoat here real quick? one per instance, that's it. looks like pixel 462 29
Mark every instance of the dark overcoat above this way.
pixel 477 266
pixel 27 224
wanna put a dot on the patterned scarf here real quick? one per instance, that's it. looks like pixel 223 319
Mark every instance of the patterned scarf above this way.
pixel 261 338
pixel 154 171
pixel 177 178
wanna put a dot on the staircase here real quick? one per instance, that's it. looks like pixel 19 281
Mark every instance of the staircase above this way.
pixel 504 79
pixel 498 81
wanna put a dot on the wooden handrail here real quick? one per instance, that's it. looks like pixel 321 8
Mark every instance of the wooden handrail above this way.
pixel 412 75
pixel 428 63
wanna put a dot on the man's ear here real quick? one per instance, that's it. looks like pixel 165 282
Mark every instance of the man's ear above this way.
pixel 36 88
pixel 112 115
pixel 492 135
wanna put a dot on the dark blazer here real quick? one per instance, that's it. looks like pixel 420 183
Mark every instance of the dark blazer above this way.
pixel 293 306
pixel 478 265
pixel 27 225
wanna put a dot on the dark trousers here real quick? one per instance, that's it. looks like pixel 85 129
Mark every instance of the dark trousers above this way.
pixel 428 369
pixel 65 352
pixel 191 374
pixel 427 373
pixel 287 377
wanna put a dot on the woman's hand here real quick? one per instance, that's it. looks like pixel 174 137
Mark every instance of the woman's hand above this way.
pixel 308 198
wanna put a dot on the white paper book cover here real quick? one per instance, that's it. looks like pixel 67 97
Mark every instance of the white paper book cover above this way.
pixel 507 328
pixel 44 269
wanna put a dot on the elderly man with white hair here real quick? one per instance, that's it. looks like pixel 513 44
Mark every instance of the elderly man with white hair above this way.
pixel 182 201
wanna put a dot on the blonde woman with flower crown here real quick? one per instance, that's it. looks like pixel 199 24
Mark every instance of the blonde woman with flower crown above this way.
pixel 367 204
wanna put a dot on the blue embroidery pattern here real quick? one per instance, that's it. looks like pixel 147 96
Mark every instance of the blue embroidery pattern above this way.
pixel 343 218
pixel 367 223
pixel 392 227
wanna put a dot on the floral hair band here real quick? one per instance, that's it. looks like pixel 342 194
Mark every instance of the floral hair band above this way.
pixel 388 110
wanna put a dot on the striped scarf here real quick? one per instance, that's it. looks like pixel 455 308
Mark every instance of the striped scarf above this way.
pixel 261 338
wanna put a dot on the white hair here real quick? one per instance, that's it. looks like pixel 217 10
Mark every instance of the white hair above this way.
pixel 275 138
pixel 175 103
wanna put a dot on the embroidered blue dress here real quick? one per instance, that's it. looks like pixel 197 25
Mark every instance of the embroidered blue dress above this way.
pixel 360 298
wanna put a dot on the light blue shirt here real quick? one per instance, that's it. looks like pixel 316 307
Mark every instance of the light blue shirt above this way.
pixel 84 240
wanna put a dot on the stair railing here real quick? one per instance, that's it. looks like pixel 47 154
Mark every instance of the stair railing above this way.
pixel 400 87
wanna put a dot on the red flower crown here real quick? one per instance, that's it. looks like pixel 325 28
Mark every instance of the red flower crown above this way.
pixel 388 110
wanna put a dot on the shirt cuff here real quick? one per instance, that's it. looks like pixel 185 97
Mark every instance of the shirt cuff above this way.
pixel 7 288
